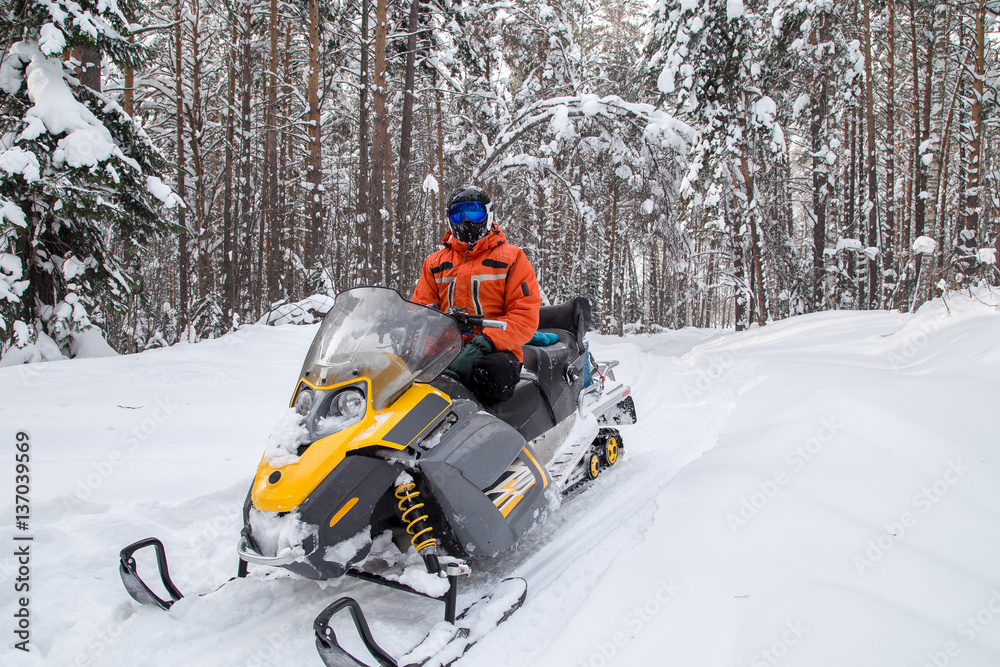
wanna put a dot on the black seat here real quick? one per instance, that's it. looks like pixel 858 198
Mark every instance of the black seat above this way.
pixel 573 316
pixel 551 376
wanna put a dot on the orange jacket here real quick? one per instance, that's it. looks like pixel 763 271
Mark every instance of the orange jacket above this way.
pixel 493 278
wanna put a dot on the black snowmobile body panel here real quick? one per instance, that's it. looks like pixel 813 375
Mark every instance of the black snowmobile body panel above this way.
pixel 477 445
pixel 528 410
pixel 486 513
pixel 476 527
pixel 455 389
pixel 363 478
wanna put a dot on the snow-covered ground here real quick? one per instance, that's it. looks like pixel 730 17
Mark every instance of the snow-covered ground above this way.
pixel 820 491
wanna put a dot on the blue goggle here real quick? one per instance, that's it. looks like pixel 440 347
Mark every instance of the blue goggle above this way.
pixel 467 211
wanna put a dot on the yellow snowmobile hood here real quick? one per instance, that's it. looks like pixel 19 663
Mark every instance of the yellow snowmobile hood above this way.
pixel 409 417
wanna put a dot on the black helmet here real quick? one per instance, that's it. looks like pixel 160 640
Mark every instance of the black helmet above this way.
pixel 470 212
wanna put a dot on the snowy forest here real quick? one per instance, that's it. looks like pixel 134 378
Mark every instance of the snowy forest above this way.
pixel 172 170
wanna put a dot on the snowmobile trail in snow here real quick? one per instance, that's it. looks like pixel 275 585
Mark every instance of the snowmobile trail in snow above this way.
pixel 676 425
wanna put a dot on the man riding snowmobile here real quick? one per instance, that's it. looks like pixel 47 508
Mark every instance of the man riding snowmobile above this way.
pixel 378 443
pixel 480 272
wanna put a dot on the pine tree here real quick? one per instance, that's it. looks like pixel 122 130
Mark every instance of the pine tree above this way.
pixel 79 187
pixel 716 63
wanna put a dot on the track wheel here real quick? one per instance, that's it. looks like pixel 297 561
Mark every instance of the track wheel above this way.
pixel 593 465
pixel 611 449
pixel 609 445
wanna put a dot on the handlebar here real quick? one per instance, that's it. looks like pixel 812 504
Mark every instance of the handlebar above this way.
pixel 467 321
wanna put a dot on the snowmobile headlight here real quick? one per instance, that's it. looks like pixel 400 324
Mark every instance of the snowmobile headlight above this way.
pixel 304 401
pixel 349 404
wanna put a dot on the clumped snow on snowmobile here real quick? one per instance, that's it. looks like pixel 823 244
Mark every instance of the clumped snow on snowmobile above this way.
pixel 378 449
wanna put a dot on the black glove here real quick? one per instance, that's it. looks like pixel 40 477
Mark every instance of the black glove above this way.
pixel 461 367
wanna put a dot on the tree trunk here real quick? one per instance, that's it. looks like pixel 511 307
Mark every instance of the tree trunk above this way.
pixel 920 184
pixel 89 71
pixel 890 160
pixel 376 201
pixel 181 167
pixel 967 240
pixel 610 265
pixel 757 296
pixel 820 168
pixel 758 288
pixel 286 217
pixel 406 131
pixel 920 202
pixel 712 302
pixel 128 95
pixel 315 167
pixel 850 130
pixel 440 150
pixel 390 260
pixel 874 277
pixel 228 275
pixel 850 228
pixel 270 199
pixel 943 170
pixel 363 214
pixel 246 191
pixel 196 127
pixel 915 171
pixel 741 310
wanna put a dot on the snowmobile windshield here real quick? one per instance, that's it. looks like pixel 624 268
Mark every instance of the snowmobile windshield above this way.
pixel 372 332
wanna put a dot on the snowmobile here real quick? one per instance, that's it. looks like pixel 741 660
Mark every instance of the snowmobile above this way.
pixel 379 448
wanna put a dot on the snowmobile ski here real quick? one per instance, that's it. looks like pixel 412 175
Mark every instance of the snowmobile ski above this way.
pixel 443 645
pixel 139 590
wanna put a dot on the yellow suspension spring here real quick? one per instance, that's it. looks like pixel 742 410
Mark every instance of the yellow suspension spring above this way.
pixel 417 526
